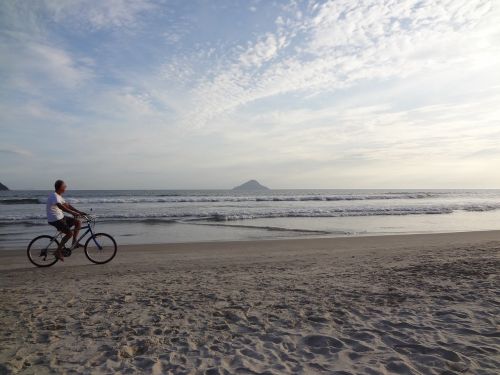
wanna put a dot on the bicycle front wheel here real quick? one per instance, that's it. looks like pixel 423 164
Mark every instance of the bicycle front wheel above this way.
pixel 100 248
pixel 41 251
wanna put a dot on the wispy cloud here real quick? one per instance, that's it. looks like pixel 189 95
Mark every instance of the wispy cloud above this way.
pixel 15 152
pixel 100 14
pixel 333 45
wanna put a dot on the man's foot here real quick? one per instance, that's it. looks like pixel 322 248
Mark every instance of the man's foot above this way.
pixel 59 255
pixel 76 245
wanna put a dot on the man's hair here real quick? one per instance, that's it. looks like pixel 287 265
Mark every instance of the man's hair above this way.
pixel 58 184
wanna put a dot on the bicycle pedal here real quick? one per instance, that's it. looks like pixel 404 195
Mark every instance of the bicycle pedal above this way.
pixel 66 252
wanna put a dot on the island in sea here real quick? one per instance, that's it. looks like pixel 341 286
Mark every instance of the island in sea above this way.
pixel 3 187
pixel 251 185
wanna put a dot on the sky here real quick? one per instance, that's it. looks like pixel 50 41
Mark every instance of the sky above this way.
pixel 166 94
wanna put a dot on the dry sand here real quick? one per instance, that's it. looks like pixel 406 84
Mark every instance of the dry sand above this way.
pixel 411 304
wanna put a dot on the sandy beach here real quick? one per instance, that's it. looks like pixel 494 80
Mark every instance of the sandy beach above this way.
pixel 407 304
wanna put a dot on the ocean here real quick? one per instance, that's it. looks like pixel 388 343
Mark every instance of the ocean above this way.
pixel 158 216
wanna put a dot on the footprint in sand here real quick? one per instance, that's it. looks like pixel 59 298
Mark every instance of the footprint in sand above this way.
pixel 317 319
pixel 252 354
pixel 137 348
pixel 212 371
pixel 421 349
pixel 323 344
pixel 399 367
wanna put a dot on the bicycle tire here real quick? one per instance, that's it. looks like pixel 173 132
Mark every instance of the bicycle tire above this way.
pixel 89 251
pixel 34 260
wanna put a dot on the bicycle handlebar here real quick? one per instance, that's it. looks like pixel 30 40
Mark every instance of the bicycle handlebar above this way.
pixel 88 217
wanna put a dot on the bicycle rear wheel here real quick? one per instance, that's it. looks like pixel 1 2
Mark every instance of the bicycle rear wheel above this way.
pixel 100 248
pixel 41 251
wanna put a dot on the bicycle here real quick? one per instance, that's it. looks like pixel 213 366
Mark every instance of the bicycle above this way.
pixel 100 248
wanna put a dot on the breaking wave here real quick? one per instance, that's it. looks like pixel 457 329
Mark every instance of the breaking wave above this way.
pixel 19 201
pixel 244 214
pixel 202 199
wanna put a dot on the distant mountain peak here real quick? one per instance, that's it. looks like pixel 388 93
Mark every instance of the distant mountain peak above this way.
pixel 3 187
pixel 251 185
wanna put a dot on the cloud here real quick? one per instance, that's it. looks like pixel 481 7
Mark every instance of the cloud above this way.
pixel 486 153
pixel 34 62
pixel 99 14
pixel 58 65
pixel 9 151
pixel 361 135
pixel 340 43
pixel 264 50
pixel 35 67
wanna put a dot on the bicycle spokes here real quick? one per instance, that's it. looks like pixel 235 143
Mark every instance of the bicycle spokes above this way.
pixel 100 248
pixel 41 251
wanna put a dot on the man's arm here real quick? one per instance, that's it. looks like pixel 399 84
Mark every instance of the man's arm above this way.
pixel 67 209
pixel 74 209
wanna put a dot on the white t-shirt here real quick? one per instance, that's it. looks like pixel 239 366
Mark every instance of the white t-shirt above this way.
pixel 54 213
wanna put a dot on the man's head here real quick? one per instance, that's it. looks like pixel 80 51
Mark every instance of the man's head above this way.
pixel 60 186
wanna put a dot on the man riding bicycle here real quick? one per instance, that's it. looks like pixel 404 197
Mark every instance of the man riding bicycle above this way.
pixel 55 217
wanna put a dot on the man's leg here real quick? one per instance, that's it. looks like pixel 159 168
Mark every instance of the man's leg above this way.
pixel 65 239
pixel 78 225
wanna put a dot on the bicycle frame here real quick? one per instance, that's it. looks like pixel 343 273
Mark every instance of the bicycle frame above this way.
pixel 89 230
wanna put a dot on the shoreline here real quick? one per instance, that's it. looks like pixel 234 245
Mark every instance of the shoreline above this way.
pixel 476 234
pixel 399 304
pixel 157 231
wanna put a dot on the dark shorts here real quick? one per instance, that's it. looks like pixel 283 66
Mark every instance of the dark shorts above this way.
pixel 64 224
